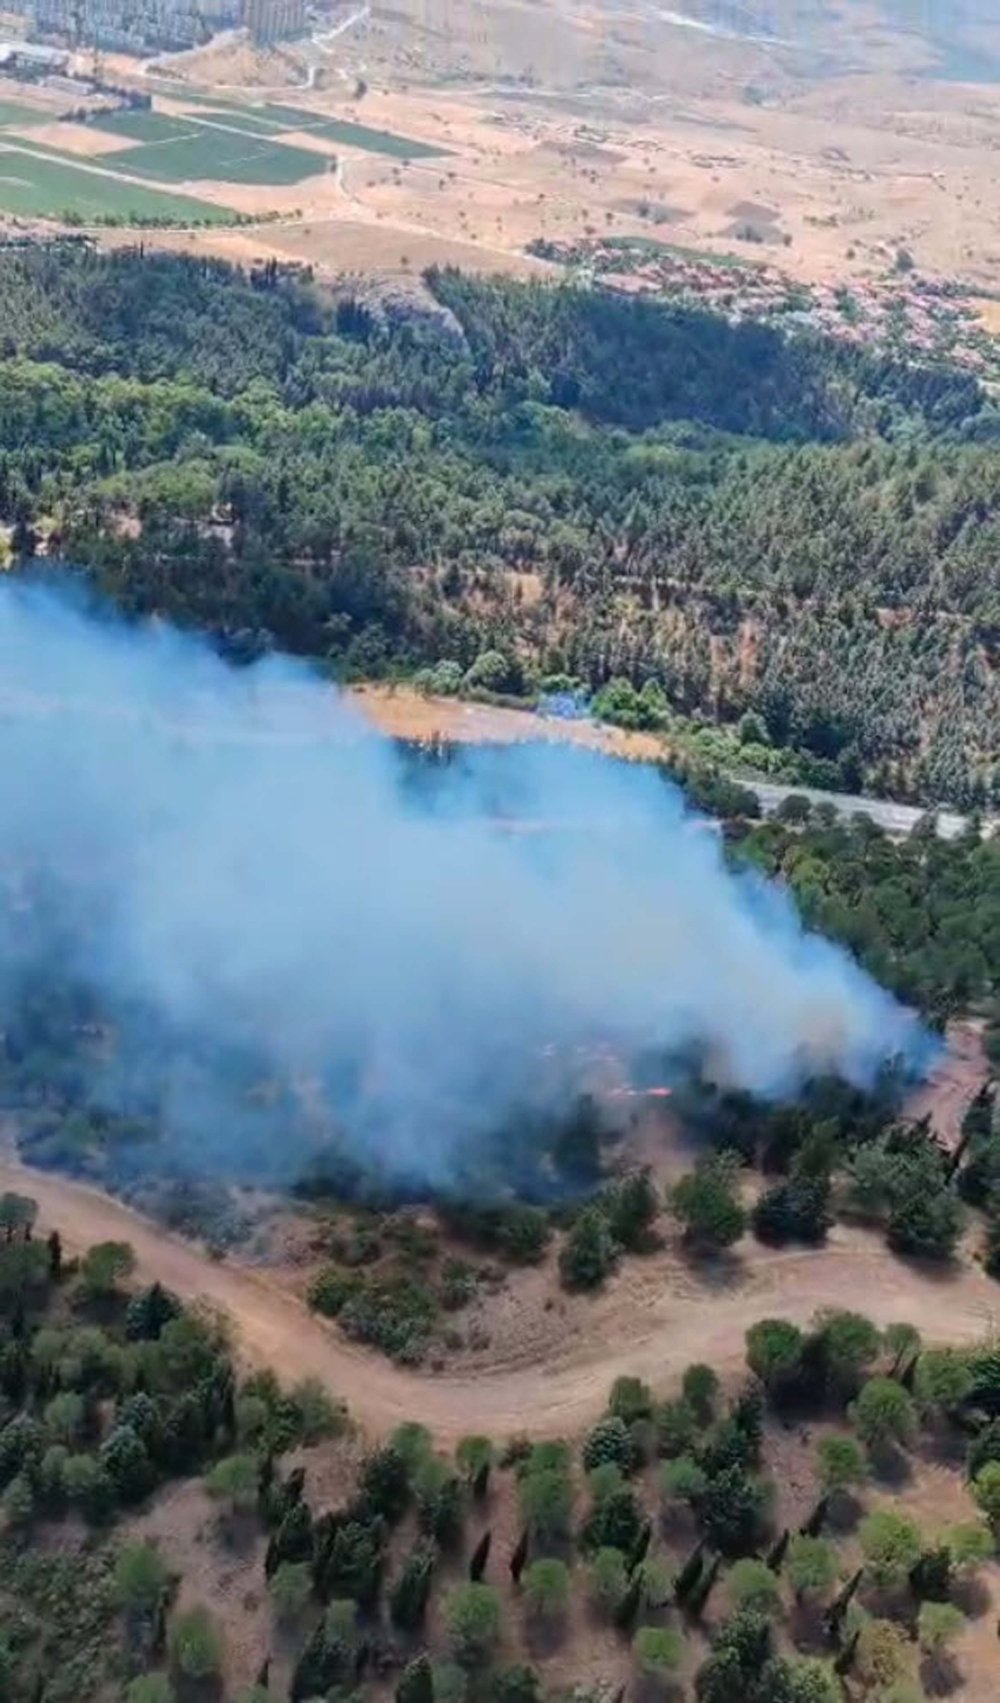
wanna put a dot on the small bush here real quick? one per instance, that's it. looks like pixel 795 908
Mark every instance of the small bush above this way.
pixel 194 1644
pixel 609 1579
pixel 472 1615
pixel 610 1442
pixel 751 1585
pixel 658 1650
pixel 546 1589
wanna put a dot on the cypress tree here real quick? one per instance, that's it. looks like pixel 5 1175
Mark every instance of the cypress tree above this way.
pixel 519 1557
pixel 480 1556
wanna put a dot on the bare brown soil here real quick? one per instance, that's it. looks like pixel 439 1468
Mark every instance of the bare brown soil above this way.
pixel 578 118
pixel 402 713
pixel 954 1082
pixel 83 140
pixel 653 1320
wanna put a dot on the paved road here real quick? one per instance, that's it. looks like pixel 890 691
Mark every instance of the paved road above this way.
pixel 897 819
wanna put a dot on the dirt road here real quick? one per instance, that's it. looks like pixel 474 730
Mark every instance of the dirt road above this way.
pixel 652 1321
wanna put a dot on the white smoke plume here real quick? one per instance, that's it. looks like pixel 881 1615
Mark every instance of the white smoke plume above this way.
pixel 254 867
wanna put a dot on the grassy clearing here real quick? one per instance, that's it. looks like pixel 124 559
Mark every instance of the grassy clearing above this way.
pixel 654 245
pixel 252 123
pixel 51 187
pixel 221 157
pixel 12 113
pixel 143 126
pixel 354 135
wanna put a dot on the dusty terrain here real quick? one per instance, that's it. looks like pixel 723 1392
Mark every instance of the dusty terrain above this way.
pixel 844 129
pixel 402 713
pixel 653 1320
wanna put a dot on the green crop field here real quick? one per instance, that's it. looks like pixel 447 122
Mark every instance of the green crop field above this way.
pixel 222 157
pixel 241 118
pixel 143 126
pixel 200 137
pixel 353 135
pixel 50 186
pixel 12 113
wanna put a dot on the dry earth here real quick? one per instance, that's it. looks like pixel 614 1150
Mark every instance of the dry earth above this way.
pixel 652 1321
pixel 840 125
pixel 401 713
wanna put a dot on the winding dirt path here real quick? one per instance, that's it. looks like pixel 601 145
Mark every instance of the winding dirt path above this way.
pixel 641 1325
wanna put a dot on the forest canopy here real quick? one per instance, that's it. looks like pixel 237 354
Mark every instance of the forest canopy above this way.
pixel 581 485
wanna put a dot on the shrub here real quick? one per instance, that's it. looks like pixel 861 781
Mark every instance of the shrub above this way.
pixel 412 1443
pixel 630 1399
pixel 194 1644
pixel 408 1600
pixel 331 1289
pixel 774 1352
pixel 926 1224
pixel 451 1683
pixel 235 1481
pixel 105 1265
pixel 150 1688
pixel 683 1480
pixel 986 1490
pixel 883 1654
pixel 614 1523
pixel 884 1413
pixel 657 1581
pixel 546 1589
pixel 473 1454
pixel 416 1684
pixel 547 1504
pixel 970 1545
pixel 797 1210
pixel 842 1463
pixel 890 1545
pixel 140 1578
pixel 385 1483
pixel 610 1442
pixel 943 1379
pixel 605 1481
pixel 439 1501
pixel 733 1511
pixel 515 1685
pixel 472 1615
pixel 317 1413
pixel 395 1314
pixel 590 1252
pixel 751 1585
pixel 630 1207
pixel 64 1417
pixel 701 1391
pixel 811 1565
pixel 658 1650
pixel 19 1501
pixel 677 1427
pixel 844 1344
pixel 706 1204
pixel 938 1625
pixel 609 1579
pixel 291 1588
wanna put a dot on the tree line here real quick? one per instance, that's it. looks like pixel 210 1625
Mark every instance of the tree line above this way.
pixel 584 486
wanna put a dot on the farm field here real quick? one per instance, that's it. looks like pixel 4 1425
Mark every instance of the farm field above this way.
pixel 142 125
pixel 43 186
pixel 221 156
pixel 351 134
pixel 574 120
pixel 12 113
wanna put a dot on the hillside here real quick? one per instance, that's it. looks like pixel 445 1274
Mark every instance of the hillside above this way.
pixel 792 530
